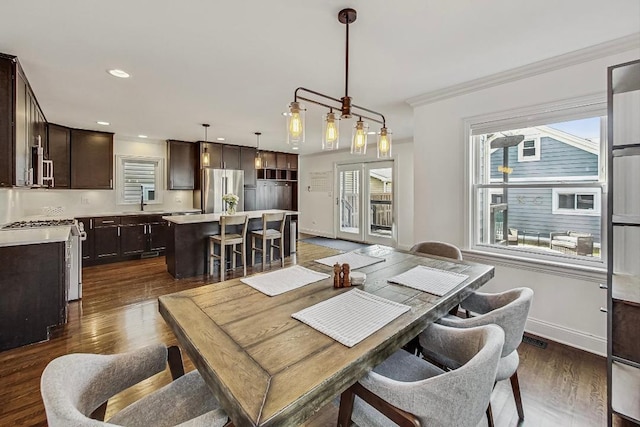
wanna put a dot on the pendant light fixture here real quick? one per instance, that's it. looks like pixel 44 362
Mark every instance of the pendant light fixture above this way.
pixel 330 135
pixel 206 157
pixel 258 159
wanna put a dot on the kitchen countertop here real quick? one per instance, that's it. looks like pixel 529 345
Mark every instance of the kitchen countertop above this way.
pixel 213 217
pixel 148 212
pixel 33 236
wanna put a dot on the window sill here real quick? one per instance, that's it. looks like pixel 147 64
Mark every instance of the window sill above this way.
pixel 596 273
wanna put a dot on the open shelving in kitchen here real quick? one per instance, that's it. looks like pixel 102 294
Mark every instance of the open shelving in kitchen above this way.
pixel 623 277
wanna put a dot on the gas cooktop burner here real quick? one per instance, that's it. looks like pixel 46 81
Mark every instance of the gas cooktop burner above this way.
pixel 39 223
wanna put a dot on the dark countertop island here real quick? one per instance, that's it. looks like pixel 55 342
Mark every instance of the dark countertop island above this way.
pixel 187 240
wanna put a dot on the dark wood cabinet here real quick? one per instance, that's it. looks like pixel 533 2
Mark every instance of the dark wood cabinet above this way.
pixel 281 161
pixel 247 158
pixel 250 203
pixel 91 159
pixel 214 152
pixel 231 157
pixel 133 239
pixel 106 237
pixel 59 148
pixel 268 160
pixel 181 170
pixel 33 293
pixel 157 236
pixel 292 161
pixel 22 123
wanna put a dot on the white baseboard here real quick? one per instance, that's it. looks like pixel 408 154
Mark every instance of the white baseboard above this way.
pixel 316 233
pixel 568 336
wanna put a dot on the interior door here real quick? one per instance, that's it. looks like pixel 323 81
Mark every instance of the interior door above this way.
pixel 365 207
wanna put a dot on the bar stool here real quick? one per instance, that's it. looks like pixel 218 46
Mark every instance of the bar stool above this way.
pixel 268 235
pixel 223 239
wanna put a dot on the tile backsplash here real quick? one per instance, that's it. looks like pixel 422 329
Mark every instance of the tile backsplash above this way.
pixel 18 203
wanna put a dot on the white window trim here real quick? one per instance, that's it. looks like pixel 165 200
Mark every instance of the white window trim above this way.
pixel 597 202
pixel 562 110
pixel 536 146
pixel 159 184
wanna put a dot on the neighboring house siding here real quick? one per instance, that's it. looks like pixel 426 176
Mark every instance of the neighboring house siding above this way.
pixel 376 185
pixel 530 209
pixel 556 159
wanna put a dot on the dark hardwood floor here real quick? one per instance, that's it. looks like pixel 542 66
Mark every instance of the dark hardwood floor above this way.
pixel 560 386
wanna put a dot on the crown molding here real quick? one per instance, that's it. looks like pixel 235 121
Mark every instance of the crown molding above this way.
pixel 580 56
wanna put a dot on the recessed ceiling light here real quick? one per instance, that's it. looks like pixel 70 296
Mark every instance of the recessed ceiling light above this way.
pixel 142 136
pixel 119 73
pixel 103 123
pixel 220 139
pixel 286 113
pixel 371 133
pixel 295 148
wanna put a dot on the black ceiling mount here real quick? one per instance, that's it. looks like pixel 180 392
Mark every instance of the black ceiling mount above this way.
pixel 347 16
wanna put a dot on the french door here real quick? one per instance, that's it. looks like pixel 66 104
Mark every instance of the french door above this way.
pixel 364 202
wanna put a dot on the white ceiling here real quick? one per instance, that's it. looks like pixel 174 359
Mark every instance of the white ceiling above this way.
pixel 235 64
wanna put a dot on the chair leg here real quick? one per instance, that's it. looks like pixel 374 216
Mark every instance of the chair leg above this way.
pixel 233 256
pixel 346 408
pixel 271 253
pixel 489 416
pixel 280 249
pixel 223 261
pixel 515 386
pixel 212 248
pixel 264 250
pixel 244 259
pixel 174 360
pixel 253 250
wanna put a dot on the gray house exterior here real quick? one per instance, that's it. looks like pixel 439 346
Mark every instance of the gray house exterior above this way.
pixel 559 156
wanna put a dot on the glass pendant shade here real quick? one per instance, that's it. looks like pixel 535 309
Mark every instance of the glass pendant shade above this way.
pixel 384 143
pixel 258 160
pixel 331 131
pixel 359 138
pixel 295 124
pixel 206 158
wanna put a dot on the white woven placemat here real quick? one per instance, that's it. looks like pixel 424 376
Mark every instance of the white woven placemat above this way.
pixel 283 280
pixel 431 280
pixel 354 260
pixel 352 316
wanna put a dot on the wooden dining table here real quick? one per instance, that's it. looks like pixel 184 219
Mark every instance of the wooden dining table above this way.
pixel 269 369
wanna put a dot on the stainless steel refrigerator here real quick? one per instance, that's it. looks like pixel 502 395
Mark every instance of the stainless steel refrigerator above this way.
pixel 215 183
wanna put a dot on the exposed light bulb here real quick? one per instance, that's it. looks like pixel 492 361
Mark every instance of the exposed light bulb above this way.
pixel 332 130
pixel 258 161
pixel 295 125
pixel 361 135
pixel 205 158
pixel 384 143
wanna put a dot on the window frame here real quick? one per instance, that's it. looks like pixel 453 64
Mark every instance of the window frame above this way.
pixel 535 115
pixel 556 210
pixel 536 147
pixel 159 179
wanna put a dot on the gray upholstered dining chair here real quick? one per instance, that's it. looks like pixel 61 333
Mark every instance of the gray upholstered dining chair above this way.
pixel 407 390
pixel 443 249
pixel 76 387
pixel 509 310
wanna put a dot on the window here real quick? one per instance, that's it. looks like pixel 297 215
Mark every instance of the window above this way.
pixel 529 150
pixel 140 178
pixel 576 201
pixel 560 194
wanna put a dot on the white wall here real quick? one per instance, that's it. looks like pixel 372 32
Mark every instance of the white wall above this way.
pixel 317 208
pixel 17 203
pixel 565 308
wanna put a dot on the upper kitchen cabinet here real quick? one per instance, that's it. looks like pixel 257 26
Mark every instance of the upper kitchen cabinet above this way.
pixel 219 156
pixel 91 159
pixel 268 160
pixel 181 157
pixel 292 161
pixel 231 157
pixel 248 165
pixel 22 123
pixel 59 141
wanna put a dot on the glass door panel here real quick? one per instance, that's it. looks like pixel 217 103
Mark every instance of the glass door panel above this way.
pixel 380 202
pixel 349 202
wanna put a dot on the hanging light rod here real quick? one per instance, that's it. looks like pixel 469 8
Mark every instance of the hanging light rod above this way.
pixel 330 138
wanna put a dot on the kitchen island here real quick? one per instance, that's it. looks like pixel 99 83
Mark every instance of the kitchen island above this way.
pixel 188 240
